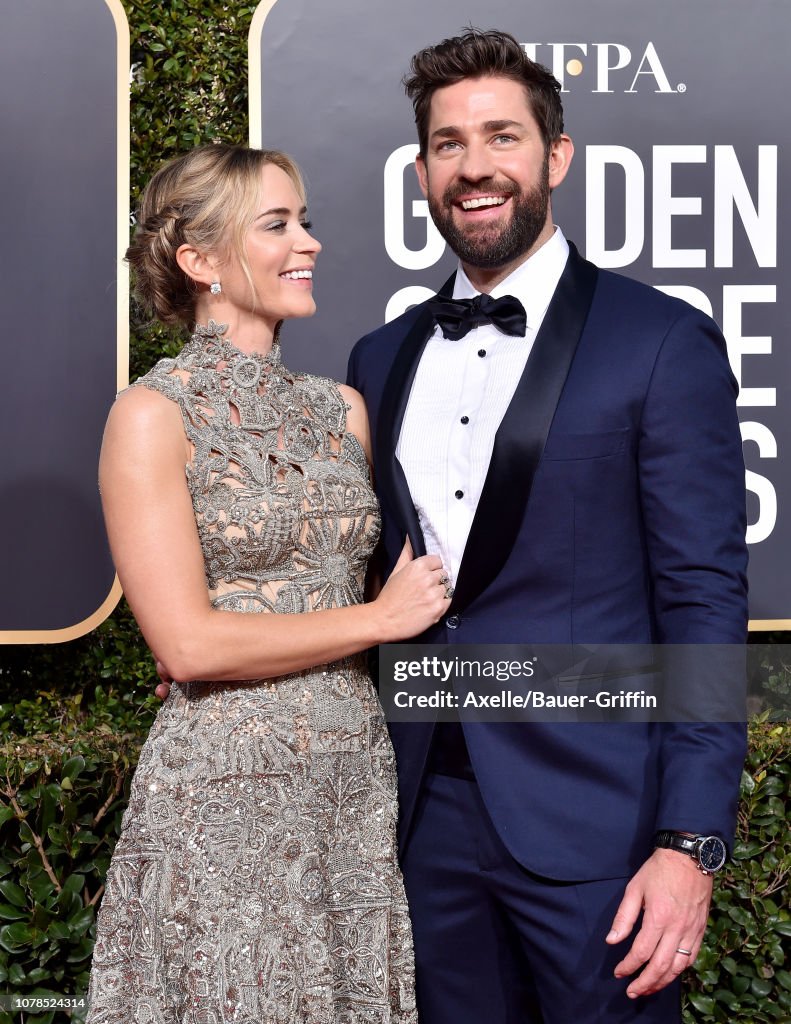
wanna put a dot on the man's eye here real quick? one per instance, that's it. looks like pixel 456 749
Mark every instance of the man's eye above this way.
pixel 504 138
pixel 446 145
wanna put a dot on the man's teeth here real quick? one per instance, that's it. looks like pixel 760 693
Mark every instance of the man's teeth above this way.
pixel 295 275
pixel 473 204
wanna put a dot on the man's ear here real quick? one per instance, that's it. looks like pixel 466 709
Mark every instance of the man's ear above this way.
pixel 195 265
pixel 561 152
pixel 422 174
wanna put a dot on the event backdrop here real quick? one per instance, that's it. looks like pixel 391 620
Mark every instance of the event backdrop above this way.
pixel 680 118
pixel 681 122
pixel 64 69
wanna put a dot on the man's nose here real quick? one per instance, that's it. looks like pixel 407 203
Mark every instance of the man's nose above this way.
pixel 476 162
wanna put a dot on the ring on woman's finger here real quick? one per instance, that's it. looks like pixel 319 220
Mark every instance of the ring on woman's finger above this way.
pixel 684 952
pixel 442 580
pixel 448 591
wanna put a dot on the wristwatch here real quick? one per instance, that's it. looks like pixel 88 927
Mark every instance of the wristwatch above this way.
pixel 709 852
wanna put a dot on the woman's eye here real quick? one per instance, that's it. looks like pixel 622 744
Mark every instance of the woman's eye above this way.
pixel 277 225
pixel 306 224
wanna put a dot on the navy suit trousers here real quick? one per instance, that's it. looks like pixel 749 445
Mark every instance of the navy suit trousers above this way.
pixel 496 944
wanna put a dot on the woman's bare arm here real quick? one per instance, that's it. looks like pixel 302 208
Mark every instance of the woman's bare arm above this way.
pixel 154 540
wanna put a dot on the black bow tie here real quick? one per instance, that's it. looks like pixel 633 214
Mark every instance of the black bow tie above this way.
pixel 456 317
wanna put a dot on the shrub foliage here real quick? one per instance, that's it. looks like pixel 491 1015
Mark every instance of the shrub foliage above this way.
pixel 65 770
pixel 740 973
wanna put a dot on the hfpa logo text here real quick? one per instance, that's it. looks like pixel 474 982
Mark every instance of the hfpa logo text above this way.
pixel 613 64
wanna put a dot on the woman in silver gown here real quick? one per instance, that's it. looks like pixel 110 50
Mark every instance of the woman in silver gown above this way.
pixel 255 879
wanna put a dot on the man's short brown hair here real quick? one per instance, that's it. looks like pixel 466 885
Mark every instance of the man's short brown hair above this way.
pixel 475 54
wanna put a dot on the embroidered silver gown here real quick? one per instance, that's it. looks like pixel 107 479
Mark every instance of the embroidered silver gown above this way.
pixel 255 879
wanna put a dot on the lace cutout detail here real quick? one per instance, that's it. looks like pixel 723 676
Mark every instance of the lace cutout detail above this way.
pixel 286 514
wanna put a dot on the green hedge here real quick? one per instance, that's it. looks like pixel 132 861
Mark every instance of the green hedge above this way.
pixel 740 973
pixel 73 715
pixel 65 773
pixel 62 795
pixel 189 86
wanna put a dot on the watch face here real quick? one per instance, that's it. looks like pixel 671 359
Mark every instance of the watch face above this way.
pixel 712 854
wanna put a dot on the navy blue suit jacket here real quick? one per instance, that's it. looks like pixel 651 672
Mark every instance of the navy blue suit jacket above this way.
pixel 613 512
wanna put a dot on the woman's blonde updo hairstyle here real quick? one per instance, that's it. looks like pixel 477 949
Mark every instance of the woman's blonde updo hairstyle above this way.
pixel 207 199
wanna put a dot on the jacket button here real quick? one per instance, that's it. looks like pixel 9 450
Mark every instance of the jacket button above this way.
pixel 453 621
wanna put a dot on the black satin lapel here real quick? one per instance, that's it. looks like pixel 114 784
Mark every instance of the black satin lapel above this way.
pixel 390 478
pixel 520 439
pixel 446 291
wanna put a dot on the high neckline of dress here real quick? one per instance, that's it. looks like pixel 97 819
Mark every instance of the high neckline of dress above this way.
pixel 217 350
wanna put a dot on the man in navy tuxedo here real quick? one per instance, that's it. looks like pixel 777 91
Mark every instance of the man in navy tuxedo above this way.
pixel 573 453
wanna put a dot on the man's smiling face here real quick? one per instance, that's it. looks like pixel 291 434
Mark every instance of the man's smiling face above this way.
pixel 487 172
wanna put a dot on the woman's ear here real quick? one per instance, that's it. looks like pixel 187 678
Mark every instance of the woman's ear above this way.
pixel 199 268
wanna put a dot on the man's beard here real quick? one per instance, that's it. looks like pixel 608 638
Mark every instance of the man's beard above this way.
pixel 494 245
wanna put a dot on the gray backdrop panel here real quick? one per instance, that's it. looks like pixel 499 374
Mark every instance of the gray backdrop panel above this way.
pixel 331 96
pixel 58 120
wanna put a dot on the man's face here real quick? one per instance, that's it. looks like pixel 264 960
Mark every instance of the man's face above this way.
pixel 487 173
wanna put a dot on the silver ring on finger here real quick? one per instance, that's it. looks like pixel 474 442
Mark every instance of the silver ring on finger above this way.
pixel 684 952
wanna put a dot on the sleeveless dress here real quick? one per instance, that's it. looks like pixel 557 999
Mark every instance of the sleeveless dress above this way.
pixel 255 879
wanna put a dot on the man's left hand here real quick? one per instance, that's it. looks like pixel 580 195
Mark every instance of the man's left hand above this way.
pixel 674 895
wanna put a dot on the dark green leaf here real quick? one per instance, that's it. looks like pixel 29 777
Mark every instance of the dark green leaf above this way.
pixel 722 995
pixel 772 786
pixel 704 1004
pixel 13 893
pixel 73 767
pixel 15 974
pixel 740 916
pixel 15 936
pixel 74 883
pixel 9 913
pixel 81 921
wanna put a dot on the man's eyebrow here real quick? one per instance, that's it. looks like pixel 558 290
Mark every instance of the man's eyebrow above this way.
pixel 452 131
pixel 502 125
pixel 449 132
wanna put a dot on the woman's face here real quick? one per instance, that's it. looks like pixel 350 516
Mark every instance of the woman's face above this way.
pixel 280 254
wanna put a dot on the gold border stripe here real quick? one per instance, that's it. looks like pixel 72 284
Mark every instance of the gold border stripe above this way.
pixel 769 624
pixel 254 82
pixel 59 636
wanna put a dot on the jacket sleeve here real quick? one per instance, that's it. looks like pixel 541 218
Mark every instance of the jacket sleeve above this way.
pixel 691 474
pixel 352 368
